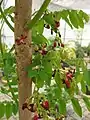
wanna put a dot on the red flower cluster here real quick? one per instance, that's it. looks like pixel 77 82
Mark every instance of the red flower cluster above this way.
pixel 21 40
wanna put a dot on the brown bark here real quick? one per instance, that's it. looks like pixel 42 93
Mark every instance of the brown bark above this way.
pixel 23 54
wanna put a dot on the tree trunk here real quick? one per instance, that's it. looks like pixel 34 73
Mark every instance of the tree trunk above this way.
pixel 23 54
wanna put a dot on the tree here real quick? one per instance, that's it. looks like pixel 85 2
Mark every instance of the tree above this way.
pixel 23 53
pixel 49 59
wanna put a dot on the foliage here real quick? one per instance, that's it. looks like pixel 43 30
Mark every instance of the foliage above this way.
pixel 47 66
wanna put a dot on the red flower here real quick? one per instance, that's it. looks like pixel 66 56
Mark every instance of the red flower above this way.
pixel 45 104
pixel 21 40
pixel 69 76
pixel 24 106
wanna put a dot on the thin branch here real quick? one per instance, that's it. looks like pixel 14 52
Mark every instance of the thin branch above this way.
pixel 32 22
pixel 7 22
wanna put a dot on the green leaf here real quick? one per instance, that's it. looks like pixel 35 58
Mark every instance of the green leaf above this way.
pixel 84 15
pixel 64 15
pixel 57 15
pixel 43 75
pixel 49 18
pixel 80 20
pixel 73 18
pixel 39 39
pixel 32 73
pixel 47 67
pixel 40 82
pixel 58 80
pixel 39 27
pixel 2 110
pixel 57 92
pixel 14 109
pixel 62 106
pixel 87 102
pixel 83 86
pixel 76 106
pixel 8 11
pixel 8 110
pixel 86 77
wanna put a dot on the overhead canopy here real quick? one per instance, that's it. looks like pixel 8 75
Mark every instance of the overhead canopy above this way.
pixel 67 4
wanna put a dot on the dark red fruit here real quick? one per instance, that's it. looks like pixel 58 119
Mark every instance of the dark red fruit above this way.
pixel 57 24
pixel 43 52
pixel 24 106
pixel 35 117
pixel 48 26
pixel 55 44
pixel 45 104
pixel 67 82
pixel 62 45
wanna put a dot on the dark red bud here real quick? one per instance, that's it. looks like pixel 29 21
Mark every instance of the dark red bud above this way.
pixel 55 44
pixel 62 45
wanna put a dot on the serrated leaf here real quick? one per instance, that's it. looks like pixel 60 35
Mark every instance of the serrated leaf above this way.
pixel 62 106
pixel 76 106
pixel 8 110
pixel 87 102
pixel 2 109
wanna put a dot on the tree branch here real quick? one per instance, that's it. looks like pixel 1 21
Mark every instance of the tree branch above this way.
pixel 7 22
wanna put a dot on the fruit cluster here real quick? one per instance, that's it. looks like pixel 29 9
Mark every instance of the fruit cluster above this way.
pixel 54 27
pixel 55 44
pixel 33 108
